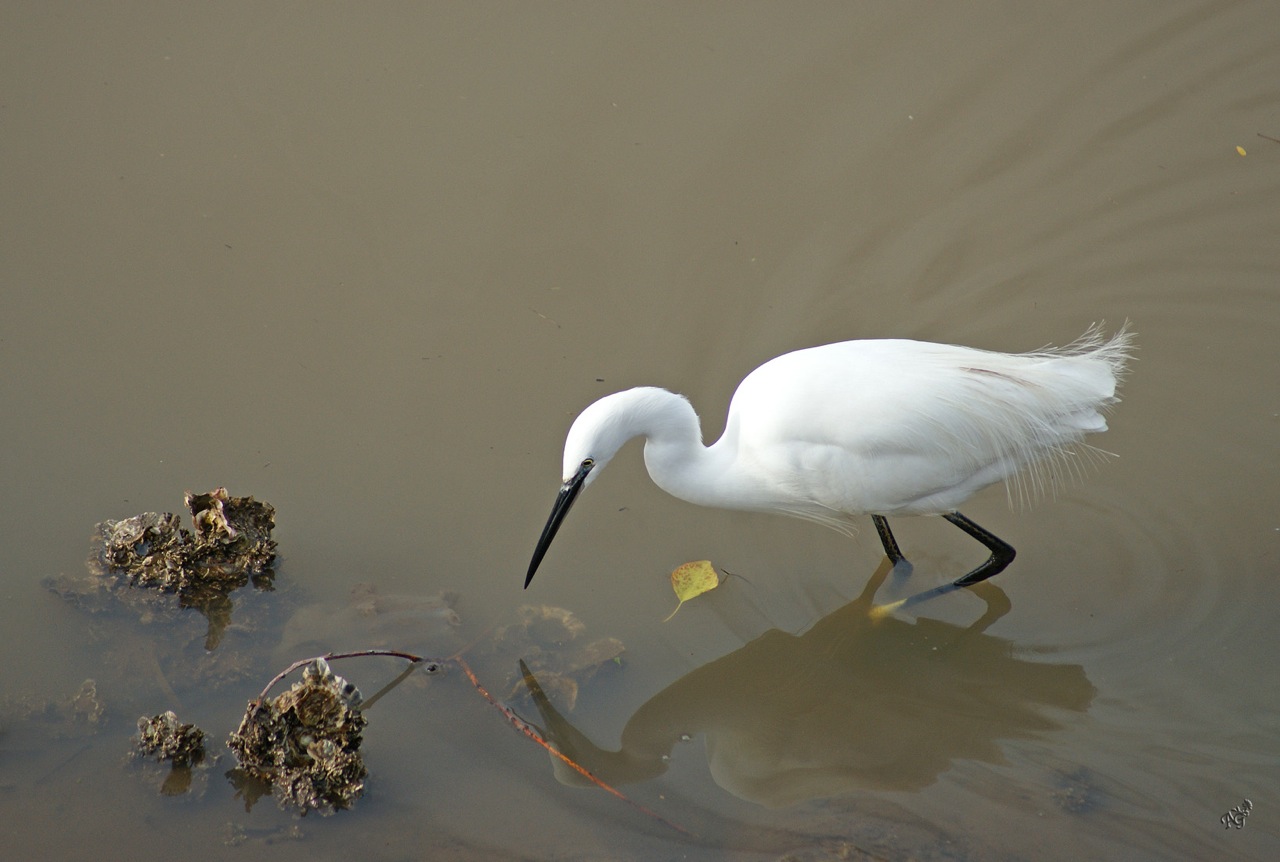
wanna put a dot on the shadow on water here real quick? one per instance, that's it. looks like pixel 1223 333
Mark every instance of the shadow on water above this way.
pixel 859 701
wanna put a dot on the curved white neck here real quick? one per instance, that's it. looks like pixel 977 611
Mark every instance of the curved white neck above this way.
pixel 677 461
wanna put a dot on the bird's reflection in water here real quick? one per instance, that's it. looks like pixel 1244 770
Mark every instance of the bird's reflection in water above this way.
pixel 854 702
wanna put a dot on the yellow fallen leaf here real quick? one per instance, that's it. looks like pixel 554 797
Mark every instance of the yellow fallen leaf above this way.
pixel 878 612
pixel 691 580
pixel 1240 150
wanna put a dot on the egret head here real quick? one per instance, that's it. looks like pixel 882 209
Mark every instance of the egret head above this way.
pixel 594 438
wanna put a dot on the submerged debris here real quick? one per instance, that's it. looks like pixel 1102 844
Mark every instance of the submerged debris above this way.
pixel 236 835
pixel 77 715
pixel 165 738
pixel 303 744
pixel 371 620
pixel 86 706
pixel 1078 791
pixel 549 640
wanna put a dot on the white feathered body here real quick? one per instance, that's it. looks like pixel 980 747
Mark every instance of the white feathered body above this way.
pixel 886 427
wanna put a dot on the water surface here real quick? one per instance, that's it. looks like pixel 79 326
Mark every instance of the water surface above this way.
pixel 366 263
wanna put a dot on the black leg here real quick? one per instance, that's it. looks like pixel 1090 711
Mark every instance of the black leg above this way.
pixel 886 538
pixel 1002 552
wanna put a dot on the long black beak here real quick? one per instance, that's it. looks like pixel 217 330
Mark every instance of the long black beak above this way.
pixel 564 502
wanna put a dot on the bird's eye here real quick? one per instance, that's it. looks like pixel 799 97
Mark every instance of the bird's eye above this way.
pixel 588 462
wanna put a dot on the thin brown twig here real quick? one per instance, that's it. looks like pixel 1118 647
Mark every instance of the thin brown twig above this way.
pixel 415 659
pixel 368 702
pixel 516 721
pixel 528 730
pixel 1268 138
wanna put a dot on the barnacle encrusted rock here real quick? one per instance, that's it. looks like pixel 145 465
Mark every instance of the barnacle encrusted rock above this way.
pixel 231 543
pixel 305 743
pixel 165 738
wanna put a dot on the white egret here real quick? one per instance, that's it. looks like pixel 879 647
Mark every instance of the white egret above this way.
pixel 876 427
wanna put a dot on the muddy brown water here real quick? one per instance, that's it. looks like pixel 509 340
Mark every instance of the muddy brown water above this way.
pixel 366 262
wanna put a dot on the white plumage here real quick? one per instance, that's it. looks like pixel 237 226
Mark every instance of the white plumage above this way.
pixel 878 427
